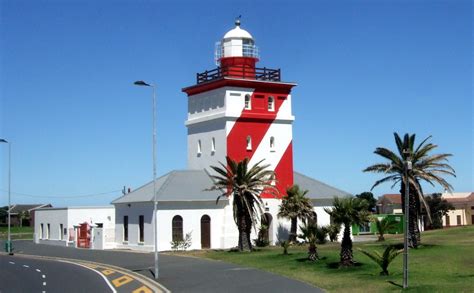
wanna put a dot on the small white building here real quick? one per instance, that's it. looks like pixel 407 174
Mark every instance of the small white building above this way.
pixel 59 226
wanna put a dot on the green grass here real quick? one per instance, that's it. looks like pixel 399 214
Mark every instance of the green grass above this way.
pixel 17 232
pixel 444 263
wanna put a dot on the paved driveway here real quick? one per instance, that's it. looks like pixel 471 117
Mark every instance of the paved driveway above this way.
pixel 177 273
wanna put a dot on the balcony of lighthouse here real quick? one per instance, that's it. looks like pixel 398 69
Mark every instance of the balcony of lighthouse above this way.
pixel 239 71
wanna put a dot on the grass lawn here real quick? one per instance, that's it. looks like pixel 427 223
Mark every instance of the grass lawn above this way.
pixel 444 263
pixel 17 232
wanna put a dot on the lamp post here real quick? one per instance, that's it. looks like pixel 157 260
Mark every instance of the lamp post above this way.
pixel 9 241
pixel 408 166
pixel 155 203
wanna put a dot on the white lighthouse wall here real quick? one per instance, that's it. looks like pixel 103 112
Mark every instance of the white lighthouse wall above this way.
pixel 205 133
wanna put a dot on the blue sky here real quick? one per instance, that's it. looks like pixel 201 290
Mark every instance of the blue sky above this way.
pixel 364 70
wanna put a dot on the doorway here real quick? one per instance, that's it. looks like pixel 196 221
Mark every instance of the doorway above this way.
pixel 205 232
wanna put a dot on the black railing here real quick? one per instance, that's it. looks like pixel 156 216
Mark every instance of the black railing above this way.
pixel 236 71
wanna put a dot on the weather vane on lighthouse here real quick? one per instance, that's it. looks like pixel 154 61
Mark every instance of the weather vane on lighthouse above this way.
pixel 237 20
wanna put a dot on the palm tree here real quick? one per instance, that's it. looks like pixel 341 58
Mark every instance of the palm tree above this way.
pixel 295 205
pixel 383 226
pixel 309 233
pixel 425 167
pixel 383 260
pixel 245 185
pixel 348 211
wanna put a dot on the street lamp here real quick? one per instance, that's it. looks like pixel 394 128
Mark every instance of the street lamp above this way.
pixel 9 241
pixel 408 167
pixel 155 203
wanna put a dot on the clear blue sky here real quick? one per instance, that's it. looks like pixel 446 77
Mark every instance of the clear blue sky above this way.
pixel 364 70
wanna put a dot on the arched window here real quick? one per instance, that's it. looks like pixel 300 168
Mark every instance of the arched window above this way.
pixel 213 145
pixel 177 228
pixel 272 143
pixel 271 104
pixel 199 147
pixel 249 143
pixel 248 102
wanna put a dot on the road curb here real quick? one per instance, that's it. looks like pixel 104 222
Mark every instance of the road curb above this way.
pixel 147 281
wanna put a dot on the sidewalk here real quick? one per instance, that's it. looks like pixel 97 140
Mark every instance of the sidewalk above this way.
pixel 177 273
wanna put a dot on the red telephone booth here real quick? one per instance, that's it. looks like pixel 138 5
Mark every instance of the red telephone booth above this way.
pixel 84 236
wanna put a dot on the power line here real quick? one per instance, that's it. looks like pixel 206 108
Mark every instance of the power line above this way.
pixel 61 196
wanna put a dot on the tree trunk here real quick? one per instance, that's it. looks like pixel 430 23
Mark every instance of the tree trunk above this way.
pixel 312 252
pixel 413 230
pixel 292 236
pixel 244 235
pixel 346 248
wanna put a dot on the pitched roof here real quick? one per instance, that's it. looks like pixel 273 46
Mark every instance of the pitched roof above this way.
pixel 191 185
pixel 463 197
pixel 18 208
pixel 393 198
pixel 177 185
pixel 317 189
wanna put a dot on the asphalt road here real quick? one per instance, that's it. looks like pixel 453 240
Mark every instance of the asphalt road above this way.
pixel 24 274
pixel 177 273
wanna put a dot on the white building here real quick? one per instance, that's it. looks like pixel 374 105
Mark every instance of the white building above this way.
pixel 60 226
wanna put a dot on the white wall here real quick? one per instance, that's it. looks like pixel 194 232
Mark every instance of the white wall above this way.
pixel 53 217
pixel 133 211
pixel 69 217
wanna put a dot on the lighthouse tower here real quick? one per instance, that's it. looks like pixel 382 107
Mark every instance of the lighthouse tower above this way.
pixel 240 110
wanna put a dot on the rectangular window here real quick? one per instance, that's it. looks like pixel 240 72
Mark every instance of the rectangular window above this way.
pixel 458 220
pixel 213 145
pixel 48 232
pixel 125 228
pixel 447 221
pixel 42 231
pixel 248 103
pixel 61 231
pixel 141 226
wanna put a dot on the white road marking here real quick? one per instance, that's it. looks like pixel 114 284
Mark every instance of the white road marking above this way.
pixel 11 262
pixel 44 276
pixel 26 266
pixel 39 271
pixel 44 283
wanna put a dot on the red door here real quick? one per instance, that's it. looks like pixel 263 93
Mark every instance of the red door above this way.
pixel 84 237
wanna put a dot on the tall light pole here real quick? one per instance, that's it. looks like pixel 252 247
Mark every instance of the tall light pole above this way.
pixel 9 241
pixel 408 166
pixel 155 202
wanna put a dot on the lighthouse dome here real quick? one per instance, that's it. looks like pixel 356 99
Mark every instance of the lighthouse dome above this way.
pixel 238 33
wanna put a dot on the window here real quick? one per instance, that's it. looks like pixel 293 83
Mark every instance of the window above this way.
pixel 125 228
pixel 271 104
pixel 48 233
pixel 177 228
pixel 447 221
pixel 141 223
pixel 213 145
pixel 42 231
pixel 272 144
pixel 61 231
pixel 248 102
pixel 199 147
pixel 249 143
pixel 458 220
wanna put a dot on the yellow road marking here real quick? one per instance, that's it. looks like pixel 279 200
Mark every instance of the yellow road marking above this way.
pixel 142 289
pixel 108 272
pixel 121 281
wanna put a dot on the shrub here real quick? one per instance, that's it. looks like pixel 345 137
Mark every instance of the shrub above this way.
pixel 184 244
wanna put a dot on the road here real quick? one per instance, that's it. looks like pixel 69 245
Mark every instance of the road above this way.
pixel 177 273
pixel 25 274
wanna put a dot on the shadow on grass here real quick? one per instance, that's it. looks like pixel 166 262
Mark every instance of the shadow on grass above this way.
pixel 335 265
pixel 305 259
pixel 395 284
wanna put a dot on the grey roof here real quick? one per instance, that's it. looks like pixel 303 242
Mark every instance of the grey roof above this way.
pixel 178 185
pixel 18 208
pixel 191 185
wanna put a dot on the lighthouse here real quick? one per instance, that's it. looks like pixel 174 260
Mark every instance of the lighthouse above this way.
pixel 241 111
